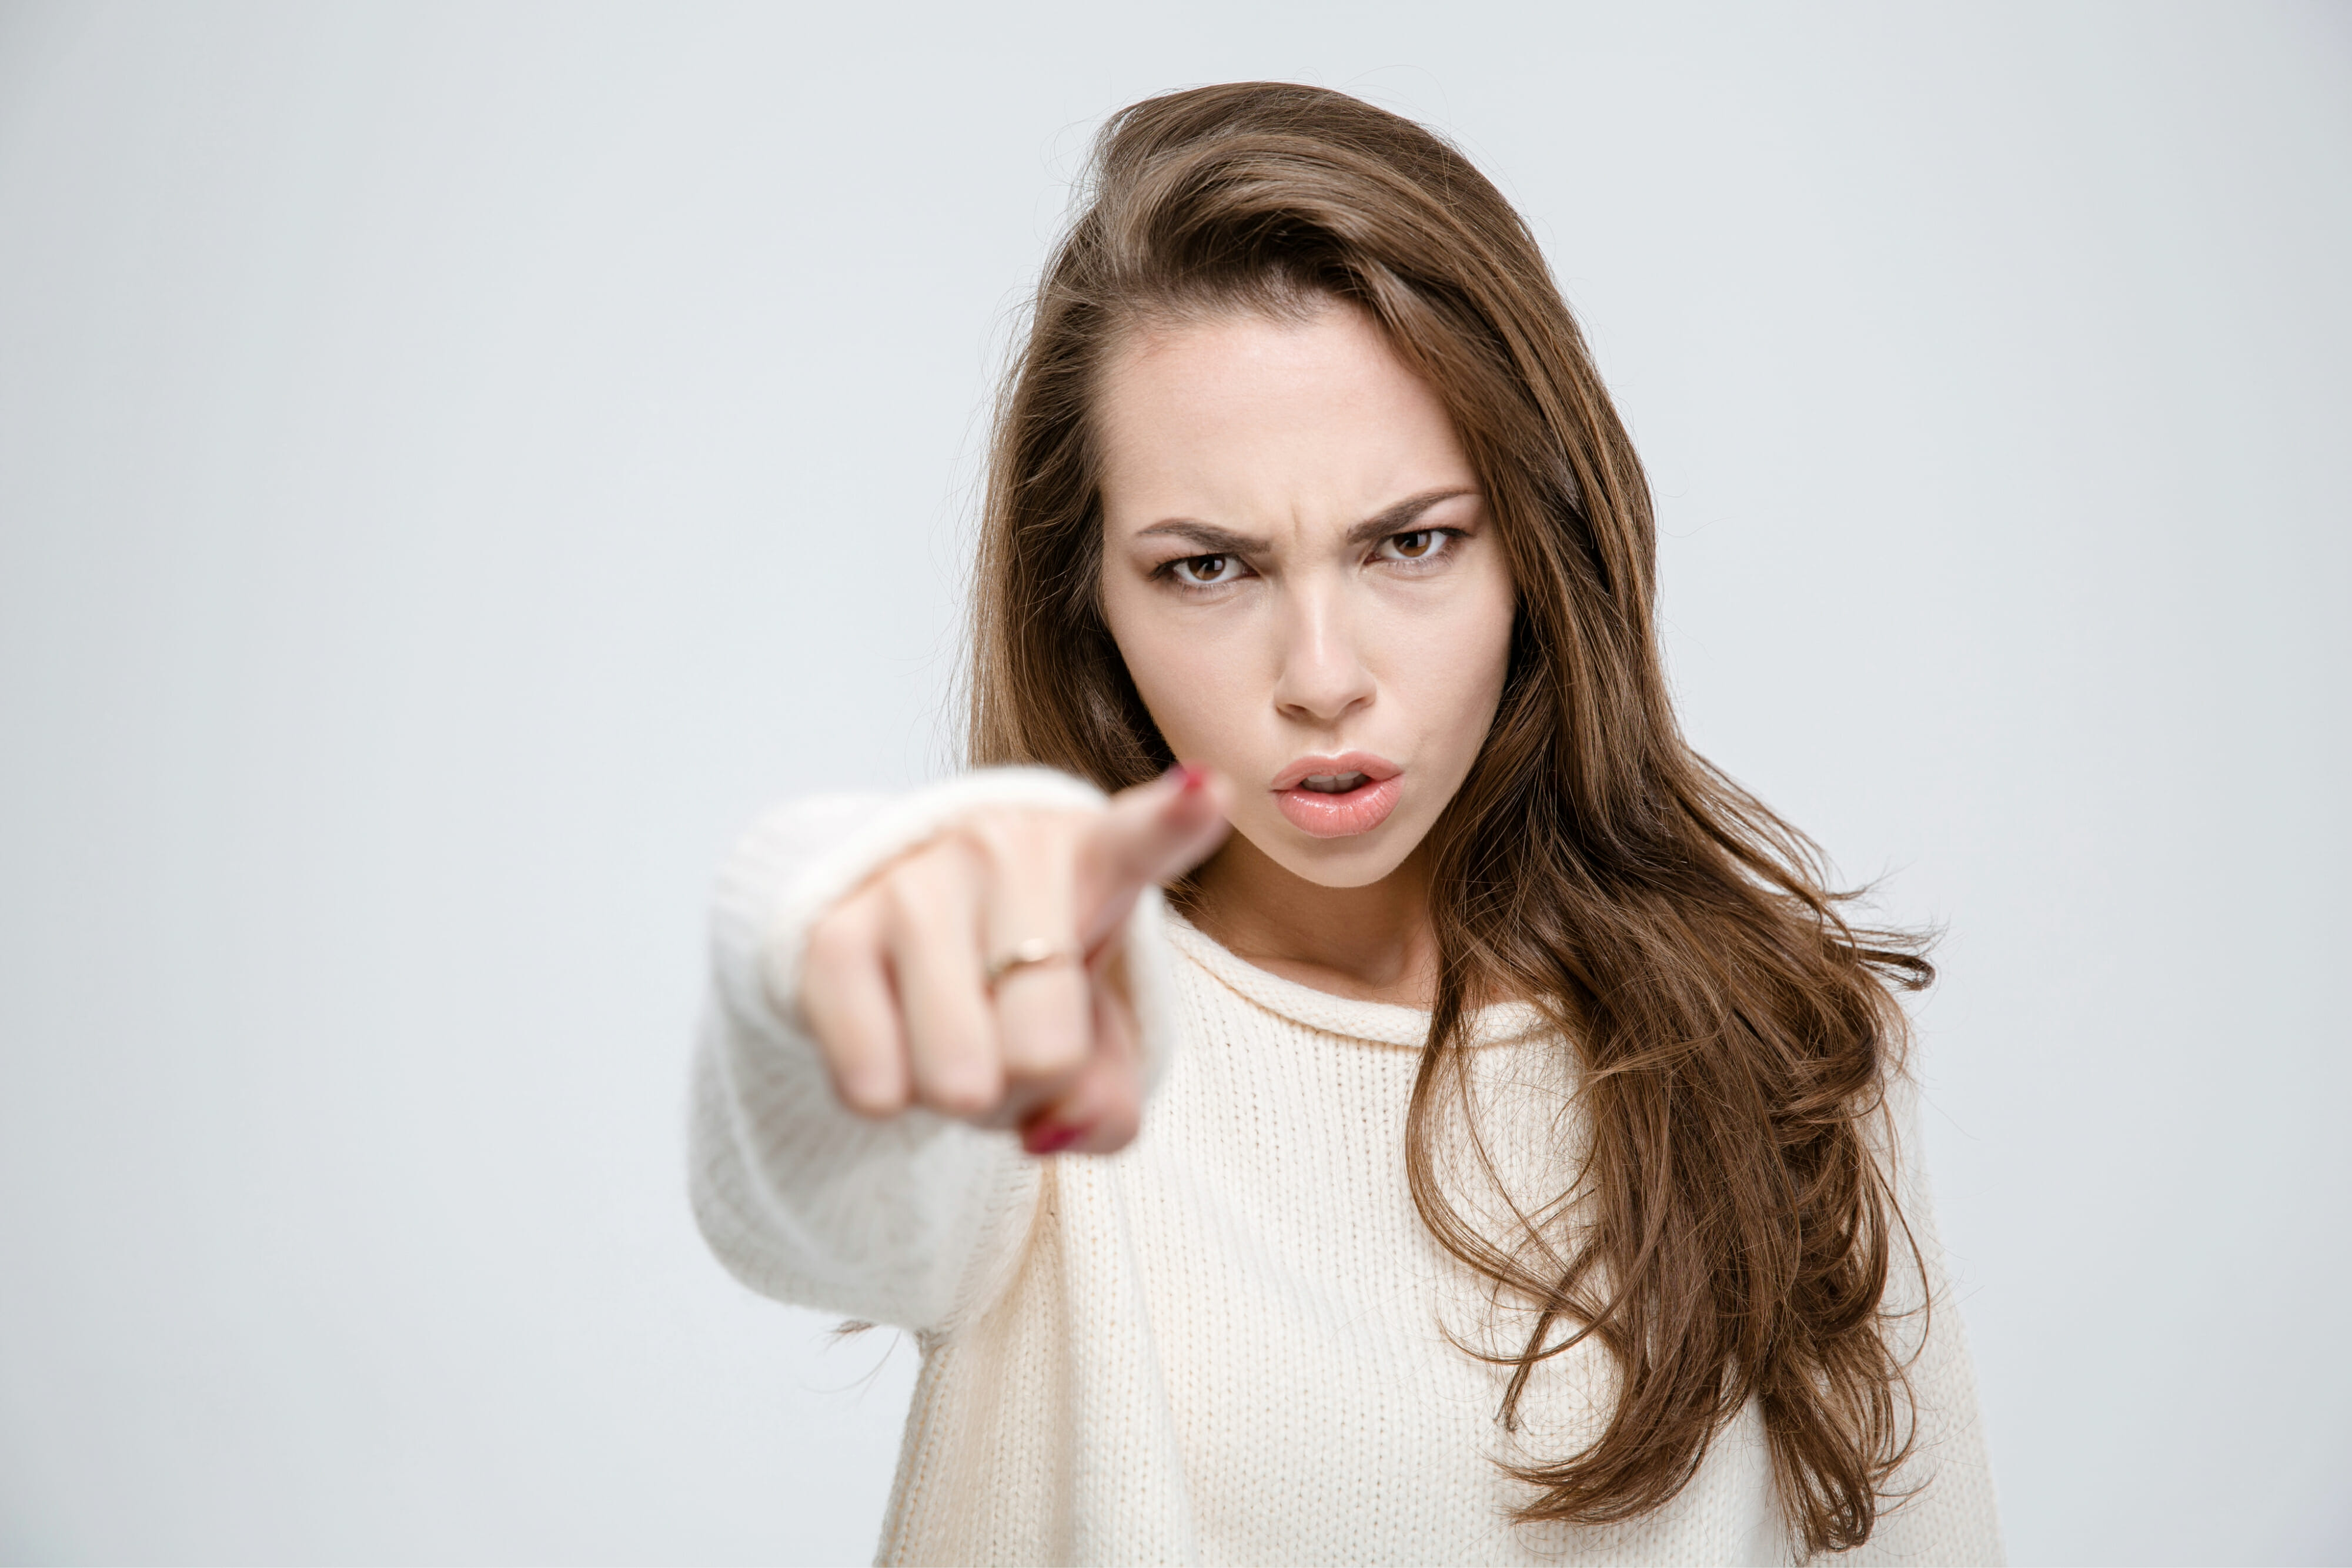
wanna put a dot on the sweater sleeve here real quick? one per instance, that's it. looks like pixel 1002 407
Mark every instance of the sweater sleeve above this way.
pixel 916 1221
pixel 1950 1515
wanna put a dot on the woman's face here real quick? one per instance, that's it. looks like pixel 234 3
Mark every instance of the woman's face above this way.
pixel 1303 578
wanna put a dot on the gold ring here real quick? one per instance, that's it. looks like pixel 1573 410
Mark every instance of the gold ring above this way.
pixel 1028 955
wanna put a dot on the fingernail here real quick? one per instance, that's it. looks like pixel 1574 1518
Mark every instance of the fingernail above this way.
pixel 1189 777
pixel 1050 1140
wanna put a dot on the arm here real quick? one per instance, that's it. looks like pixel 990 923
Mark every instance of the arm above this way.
pixel 915 1219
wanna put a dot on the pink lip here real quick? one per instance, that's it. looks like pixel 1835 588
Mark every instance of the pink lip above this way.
pixel 1358 810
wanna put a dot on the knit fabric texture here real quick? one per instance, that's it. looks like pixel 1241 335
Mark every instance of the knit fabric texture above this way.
pixel 1234 1342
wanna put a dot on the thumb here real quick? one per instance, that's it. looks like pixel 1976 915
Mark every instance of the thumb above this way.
pixel 1151 833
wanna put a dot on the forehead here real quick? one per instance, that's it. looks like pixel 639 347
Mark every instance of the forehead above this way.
pixel 1249 416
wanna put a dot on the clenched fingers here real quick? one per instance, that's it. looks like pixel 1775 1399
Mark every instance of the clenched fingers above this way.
pixel 1043 1013
pixel 851 1008
pixel 932 934
pixel 1102 1108
pixel 978 976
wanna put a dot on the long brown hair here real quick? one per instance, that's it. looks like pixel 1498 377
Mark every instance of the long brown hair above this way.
pixel 1731 1228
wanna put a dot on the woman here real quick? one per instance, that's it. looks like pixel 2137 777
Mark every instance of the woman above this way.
pixel 1492 1148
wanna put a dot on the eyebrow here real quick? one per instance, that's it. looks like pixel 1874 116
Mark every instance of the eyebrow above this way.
pixel 1213 540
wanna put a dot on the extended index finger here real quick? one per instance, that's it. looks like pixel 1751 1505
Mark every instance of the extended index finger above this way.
pixel 1151 832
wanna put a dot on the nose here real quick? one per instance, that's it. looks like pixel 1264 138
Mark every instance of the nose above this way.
pixel 1323 677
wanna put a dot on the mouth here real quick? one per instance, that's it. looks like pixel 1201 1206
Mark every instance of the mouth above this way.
pixel 1339 796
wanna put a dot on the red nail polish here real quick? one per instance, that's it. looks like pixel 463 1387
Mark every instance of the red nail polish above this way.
pixel 1051 1140
pixel 1190 777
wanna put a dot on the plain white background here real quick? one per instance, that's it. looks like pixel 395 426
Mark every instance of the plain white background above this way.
pixel 457 464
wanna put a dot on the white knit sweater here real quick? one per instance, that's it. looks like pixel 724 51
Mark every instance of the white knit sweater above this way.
pixel 1228 1342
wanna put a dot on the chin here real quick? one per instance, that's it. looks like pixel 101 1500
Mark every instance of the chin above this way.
pixel 1334 862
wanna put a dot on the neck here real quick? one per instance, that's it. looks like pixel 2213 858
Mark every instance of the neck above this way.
pixel 1374 943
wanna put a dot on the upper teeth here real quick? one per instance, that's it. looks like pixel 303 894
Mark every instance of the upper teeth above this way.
pixel 1331 783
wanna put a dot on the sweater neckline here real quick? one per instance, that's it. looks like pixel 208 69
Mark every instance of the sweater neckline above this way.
pixel 1376 1023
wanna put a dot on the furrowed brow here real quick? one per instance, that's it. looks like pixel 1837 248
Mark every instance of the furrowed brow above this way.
pixel 1205 538
pixel 1400 518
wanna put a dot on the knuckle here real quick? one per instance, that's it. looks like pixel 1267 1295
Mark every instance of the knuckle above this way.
pixel 1021 840
pixel 839 938
pixel 868 1092
pixel 965 1092
pixel 1059 1045
pixel 993 835
pixel 1048 1045
pixel 925 893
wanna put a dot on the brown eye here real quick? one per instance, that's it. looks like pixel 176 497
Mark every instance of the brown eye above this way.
pixel 1413 545
pixel 1202 570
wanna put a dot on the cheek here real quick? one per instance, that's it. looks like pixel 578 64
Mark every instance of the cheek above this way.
pixel 1191 684
pixel 1452 664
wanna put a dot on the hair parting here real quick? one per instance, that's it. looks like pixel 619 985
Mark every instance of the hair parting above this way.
pixel 1729 1232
